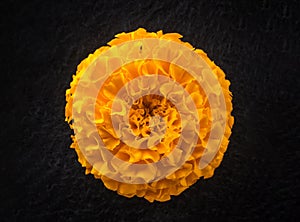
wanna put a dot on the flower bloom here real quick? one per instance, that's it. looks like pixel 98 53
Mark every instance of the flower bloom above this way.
pixel 140 120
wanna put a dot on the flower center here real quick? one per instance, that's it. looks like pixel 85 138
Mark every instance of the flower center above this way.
pixel 150 114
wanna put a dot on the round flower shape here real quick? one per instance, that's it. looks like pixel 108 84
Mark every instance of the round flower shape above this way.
pixel 150 114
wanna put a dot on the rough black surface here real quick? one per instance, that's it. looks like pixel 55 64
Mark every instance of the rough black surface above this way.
pixel 255 42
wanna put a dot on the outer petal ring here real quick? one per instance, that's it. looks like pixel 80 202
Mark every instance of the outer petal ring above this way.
pixel 107 59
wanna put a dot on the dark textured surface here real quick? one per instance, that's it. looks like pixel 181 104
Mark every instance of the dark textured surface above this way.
pixel 255 42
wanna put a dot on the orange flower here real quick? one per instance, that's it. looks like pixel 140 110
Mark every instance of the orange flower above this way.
pixel 140 117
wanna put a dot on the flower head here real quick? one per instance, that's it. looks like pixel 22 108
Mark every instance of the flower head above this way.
pixel 153 115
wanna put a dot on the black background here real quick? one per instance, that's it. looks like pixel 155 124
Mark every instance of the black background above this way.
pixel 255 42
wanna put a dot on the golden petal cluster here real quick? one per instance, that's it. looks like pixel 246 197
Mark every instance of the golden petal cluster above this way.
pixel 139 118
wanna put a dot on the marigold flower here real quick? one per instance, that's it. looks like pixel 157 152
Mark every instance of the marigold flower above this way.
pixel 142 123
